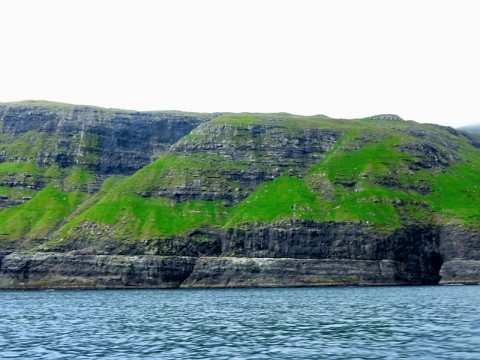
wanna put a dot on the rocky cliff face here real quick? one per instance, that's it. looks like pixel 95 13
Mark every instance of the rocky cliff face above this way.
pixel 105 141
pixel 460 248
pixel 71 270
pixel 414 255
pixel 233 200
pixel 233 161
pixel 302 254
pixel 48 151
pixel 56 270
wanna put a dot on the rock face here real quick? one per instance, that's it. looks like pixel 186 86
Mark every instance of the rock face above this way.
pixel 233 161
pixel 266 272
pixel 110 271
pixel 461 251
pixel 101 198
pixel 70 270
pixel 288 254
pixel 50 150
pixel 105 141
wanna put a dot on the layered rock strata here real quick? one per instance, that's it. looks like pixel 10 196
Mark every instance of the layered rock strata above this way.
pixel 232 200
pixel 58 270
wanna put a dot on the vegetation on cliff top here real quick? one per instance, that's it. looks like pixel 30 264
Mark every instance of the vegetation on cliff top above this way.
pixel 248 168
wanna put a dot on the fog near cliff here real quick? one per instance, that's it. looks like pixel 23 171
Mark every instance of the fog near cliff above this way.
pixel 340 58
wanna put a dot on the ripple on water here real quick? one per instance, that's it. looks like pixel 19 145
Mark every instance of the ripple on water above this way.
pixel 335 323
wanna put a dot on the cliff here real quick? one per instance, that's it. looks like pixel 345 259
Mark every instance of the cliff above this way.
pixel 55 156
pixel 109 198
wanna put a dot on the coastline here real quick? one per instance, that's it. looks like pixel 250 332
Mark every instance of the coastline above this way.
pixel 65 271
pixel 120 288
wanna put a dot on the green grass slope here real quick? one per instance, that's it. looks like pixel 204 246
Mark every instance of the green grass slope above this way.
pixel 247 168
pixel 36 218
pixel 73 148
pixel 386 172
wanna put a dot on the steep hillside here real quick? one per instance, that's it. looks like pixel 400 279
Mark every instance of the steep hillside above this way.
pixel 50 152
pixel 389 199
pixel 240 169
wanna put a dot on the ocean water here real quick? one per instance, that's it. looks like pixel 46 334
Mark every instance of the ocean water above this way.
pixel 431 322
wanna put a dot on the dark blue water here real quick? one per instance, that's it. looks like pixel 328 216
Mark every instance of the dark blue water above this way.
pixel 304 323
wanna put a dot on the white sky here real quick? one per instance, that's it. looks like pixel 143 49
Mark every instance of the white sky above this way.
pixel 417 59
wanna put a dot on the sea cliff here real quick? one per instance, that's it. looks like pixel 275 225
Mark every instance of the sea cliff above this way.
pixel 93 197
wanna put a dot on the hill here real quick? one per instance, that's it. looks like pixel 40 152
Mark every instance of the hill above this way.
pixel 471 128
pixel 119 198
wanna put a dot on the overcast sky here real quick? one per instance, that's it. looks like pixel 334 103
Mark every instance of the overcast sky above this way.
pixel 417 59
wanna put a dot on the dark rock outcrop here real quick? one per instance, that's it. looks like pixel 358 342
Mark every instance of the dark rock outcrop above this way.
pixel 459 271
pixel 73 270
pixel 301 253
pixel 460 248
pixel 60 270
pixel 413 252
pixel 266 272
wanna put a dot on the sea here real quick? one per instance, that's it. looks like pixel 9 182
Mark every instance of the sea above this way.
pixel 411 322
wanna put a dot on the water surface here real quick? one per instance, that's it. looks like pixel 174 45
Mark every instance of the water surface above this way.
pixel 441 322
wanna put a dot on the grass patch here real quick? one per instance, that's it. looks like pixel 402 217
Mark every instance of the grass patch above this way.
pixel 27 145
pixel 40 215
pixel 77 178
pixel 130 215
pixel 14 193
pixel 286 120
pixel 27 167
pixel 456 193
pixel 283 198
